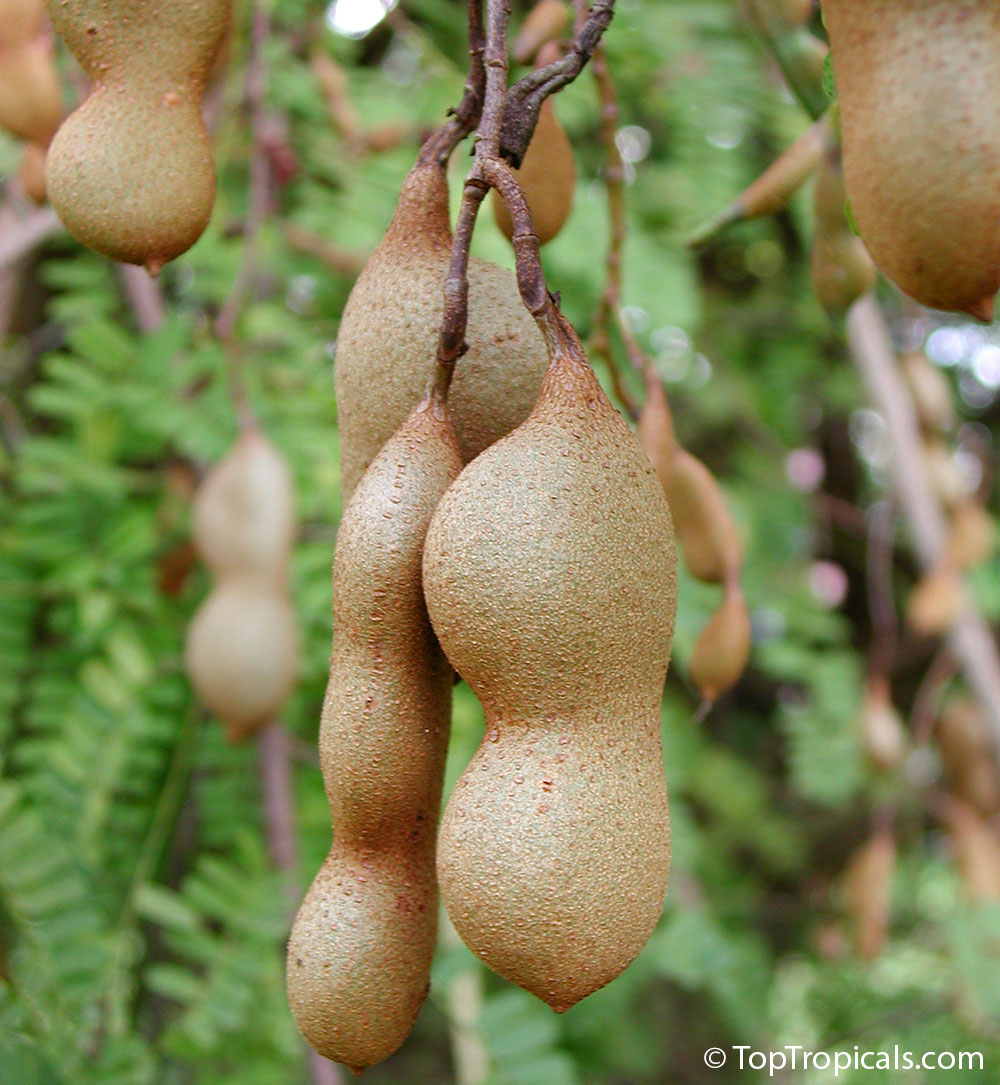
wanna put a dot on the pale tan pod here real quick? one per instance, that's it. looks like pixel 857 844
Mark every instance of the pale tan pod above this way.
pixel 972 537
pixel 977 850
pixel 30 95
pixel 932 394
pixel 969 757
pixel 936 601
pixel 705 529
pixel 244 514
pixel 656 429
pixel 547 21
pixel 31 174
pixel 868 885
pixel 882 732
pixel 548 177
pixel 241 653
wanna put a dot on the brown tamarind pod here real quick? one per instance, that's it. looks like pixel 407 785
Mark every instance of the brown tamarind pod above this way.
pixel 868 884
pixel 705 529
pixel 722 649
pixel 388 337
pixel 946 479
pixel 976 848
pixel 882 732
pixel 31 173
pixel 972 535
pixel 30 95
pixel 360 950
pixel 966 746
pixel 775 186
pixel 241 652
pixel 550 579
pixel 840 267
pixel 656 428
pixel 244 515
pixel 932 394
pixel 547 21
pixel 130 171
pixel 936 601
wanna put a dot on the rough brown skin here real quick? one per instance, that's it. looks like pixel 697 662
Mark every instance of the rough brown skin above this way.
pixel 840 267
pixel 130 172
pixel 550 578
pixel 547 176
pixel 241 650
pixel 360 951
pixel 30 95
pixel 913 75
pixel 388 337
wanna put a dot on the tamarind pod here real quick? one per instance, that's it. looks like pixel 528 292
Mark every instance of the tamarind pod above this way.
pixel 30 95
pixel 882 733
pixel 936 601
pixel 723 647
pixel 976 848
pixel 966 746
pixel 774 187
pixel 932 394
pixel 31 173
pixel 360 949
pixel 656 429
pixel 547 21
pixel 705 529
pixel 869 888
pixel 972 537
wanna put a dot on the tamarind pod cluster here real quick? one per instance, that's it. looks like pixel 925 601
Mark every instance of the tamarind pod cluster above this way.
pixel 360 950
pixel 388 337
pixel 30 95
pixel 241 650
pixel 547 21
pixel 868 881
pixel 546 174
pixel 840 267
pixel 549 575
pixel 130 171
pixel 772 190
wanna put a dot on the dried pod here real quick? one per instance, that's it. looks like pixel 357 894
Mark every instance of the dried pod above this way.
pixel 389 332
pixel 705 529
pixel 882 732
pixel 130 172
pixel 360 951
pixel 973 535
pixel 868 885
pixel 549 575
pixel 932 394
pixel 723 647
pixel 977 850
pixel 969 756
pixel 547 21
pixel 936 601
pixel 841 269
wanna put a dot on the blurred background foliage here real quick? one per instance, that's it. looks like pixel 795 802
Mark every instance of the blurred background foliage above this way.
pixel 142 921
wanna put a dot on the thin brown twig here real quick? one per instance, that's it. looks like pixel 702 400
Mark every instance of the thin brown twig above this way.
pixel 27 233
pixel 878 576
pixel 144 295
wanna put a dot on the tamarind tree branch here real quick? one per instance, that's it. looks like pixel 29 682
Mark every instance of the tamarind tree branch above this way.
pixel 969 638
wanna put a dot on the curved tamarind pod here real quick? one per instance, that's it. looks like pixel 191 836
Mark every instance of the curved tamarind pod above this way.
pixel 705 529
pixel 977 850
pixel 360 950
pixel 656 429
pixel 550 578
pixel 31 173
pixel 869 888
pixel 966 746
pixel 932 394
pixel 882 730
pixel 130 171
pixel 547 21
pixel 723 647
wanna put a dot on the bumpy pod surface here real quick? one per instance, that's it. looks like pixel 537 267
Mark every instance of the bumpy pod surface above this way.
pixel 388 337
pixel 550 578
pixel 130 172
pixel 241 653
pixel 244 514
pixel 360 950
pixel 914 75
pixel 30 96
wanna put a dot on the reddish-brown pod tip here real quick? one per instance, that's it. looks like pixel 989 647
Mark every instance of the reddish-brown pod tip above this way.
pixel 913 75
